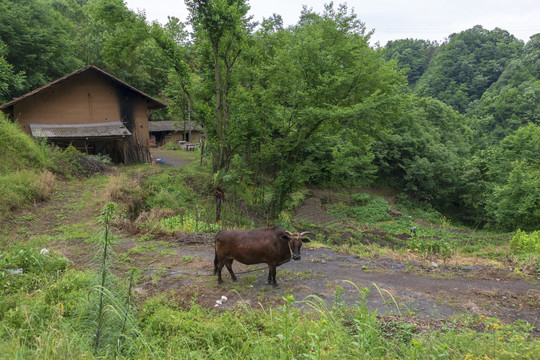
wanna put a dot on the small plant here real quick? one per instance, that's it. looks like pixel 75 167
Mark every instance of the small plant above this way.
pixel 187 258
pixel 430 247
pixel 287 317
pixel 106 249
pixel 189 223
pixel 339 304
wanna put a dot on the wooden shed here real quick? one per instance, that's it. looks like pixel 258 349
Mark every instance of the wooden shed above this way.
pixel 165 131
pixel 91 110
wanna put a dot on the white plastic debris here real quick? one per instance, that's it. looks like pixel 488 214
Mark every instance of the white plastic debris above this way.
pixel 15 272
pixel 434 264
pixel 224 299
pixel 218 302
pixel 44 251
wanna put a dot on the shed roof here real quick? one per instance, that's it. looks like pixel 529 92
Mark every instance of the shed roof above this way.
pixel 169 125
pixel 152 103
pixel 99 130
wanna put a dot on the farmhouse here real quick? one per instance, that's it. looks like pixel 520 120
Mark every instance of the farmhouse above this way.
pixel 91 110
pixel 169 131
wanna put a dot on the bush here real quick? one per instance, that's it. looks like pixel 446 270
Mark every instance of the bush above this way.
pixel 360 198
pixel 525 243
pixel 374 211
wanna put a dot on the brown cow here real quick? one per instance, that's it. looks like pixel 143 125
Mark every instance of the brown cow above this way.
pixel 273 246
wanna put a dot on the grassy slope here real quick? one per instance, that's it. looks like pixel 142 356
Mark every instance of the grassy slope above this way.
pixel 25 168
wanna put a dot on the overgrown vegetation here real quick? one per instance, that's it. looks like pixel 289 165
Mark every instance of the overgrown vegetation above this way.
pixel 29 169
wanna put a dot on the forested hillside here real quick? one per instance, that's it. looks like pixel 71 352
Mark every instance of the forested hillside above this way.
pixel 454 125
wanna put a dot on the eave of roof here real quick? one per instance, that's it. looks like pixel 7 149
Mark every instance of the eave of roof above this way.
pixel 168 125
pixel 152 103
pixel 77 131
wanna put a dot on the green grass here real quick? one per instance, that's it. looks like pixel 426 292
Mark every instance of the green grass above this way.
pixel 28 167
pixel 79 231
pixel 40 314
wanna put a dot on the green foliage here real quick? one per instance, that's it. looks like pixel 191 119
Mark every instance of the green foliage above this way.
pixel 422 152
pixel 19 151
pixel 189 223
pixel 10 81
pixel 27 166
pixel 169 189
pixel 24 166
pixel 39 43
pixel 41 316
pixel 525 243
pixel 513 173
pixel 465 66
pixel 375 210
pixel 311 103
pixel 412 55
pixel 430 246
pixel 512 101
pixel 360 198
pixel 417 209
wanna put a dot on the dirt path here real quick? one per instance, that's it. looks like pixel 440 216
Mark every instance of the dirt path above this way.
pixel 395 287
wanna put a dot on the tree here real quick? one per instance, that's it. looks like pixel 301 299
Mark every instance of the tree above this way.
pixel 423 152
pixel 512 174
pixel 512 101
pixel 465 66
pixel 314 82
pixel 10 82
pixel 39 42
pixel 224 26
pixel 412 55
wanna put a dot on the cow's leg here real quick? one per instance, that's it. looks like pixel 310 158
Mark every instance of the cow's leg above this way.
pixel 228 264
pixel 272 275
pixel 218 270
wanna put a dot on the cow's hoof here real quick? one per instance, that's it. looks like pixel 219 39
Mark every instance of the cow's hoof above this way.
pixel 235 279
pixel 220 282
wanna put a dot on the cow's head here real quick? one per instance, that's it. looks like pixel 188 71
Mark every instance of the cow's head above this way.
pixel 295 243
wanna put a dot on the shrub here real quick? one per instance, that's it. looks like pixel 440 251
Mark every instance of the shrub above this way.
pixel 374 211
pixel 525 243
pixel 360 198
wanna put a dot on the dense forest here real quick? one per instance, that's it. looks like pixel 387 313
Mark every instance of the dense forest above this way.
pixel 453 125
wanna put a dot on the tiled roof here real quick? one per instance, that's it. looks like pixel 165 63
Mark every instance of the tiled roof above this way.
pixel 79 130
pixel 156 126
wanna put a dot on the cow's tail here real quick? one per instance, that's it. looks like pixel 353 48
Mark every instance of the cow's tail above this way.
pixel 215 257
pixel 215 263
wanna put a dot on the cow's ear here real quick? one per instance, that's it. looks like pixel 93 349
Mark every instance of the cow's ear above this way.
pixel 305 240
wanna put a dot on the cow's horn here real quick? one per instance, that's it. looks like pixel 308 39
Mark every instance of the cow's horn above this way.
pixel 305 233
pixel 288 233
